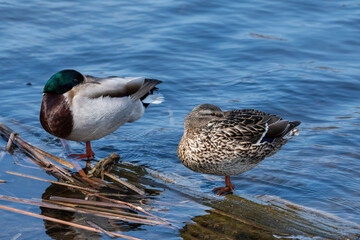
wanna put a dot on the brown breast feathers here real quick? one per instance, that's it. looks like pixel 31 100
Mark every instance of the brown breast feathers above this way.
pixel 55 115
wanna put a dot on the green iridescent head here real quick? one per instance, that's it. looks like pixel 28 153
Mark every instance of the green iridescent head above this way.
pixel 63 81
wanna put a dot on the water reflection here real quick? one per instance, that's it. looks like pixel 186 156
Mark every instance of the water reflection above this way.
pixel 266 217
pixel 216 225
pixel 206 51
pixel 59 231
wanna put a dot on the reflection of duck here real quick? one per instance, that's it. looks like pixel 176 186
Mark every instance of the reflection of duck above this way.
pixel 132 173
pixel 58 231
pixel 231 142
pixel 86 108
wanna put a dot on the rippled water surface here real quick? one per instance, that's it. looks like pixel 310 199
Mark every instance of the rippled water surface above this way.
pixel 297 59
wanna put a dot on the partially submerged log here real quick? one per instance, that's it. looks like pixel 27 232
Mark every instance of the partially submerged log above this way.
pixel 263 217
pixel 267 216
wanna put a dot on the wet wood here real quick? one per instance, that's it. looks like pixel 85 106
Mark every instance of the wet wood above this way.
pixel 53 157
pixel 111 209
pixel 2 181
pixel 96 211
pixel 92 224
pixel 63 222
pixel 128 185
pixel 266 217
pixel 36 156
pixel 248 217
pixel 140 209
pixel 79 169
pixel 54 182
pixel 88 202
pixel 104 165
pixel 109 214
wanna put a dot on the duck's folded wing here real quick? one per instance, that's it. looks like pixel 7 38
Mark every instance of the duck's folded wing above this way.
pixel 115 86
pixel 275 126
pixel 236 129
pixel 147 86
pixel 249 125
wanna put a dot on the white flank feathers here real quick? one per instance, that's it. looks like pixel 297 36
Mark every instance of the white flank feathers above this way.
pixel 95 118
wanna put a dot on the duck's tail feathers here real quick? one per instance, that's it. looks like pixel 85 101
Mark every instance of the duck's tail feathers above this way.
pixel 145 89
pixel 292 130
pixel 281 129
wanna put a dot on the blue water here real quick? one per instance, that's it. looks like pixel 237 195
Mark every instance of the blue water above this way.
pixel 297 59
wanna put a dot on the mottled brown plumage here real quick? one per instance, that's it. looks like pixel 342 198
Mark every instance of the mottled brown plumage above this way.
pixel 232 142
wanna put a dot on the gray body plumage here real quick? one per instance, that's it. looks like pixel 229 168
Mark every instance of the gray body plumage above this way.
pixel 231 142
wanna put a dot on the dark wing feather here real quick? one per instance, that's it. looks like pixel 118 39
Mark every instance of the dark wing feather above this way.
pixel 136 88
pixel 144 90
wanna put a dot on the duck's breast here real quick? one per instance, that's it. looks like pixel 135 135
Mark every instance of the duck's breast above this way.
pixel 55 115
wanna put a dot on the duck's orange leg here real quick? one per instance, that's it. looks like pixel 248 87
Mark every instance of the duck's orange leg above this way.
pixel 229 188
pixel 89 153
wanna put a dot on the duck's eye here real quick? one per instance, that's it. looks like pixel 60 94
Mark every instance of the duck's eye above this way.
pixel 213 114
pixel 76 80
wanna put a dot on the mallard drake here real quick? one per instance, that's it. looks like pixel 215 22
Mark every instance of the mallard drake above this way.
pixel 84 108
pixel 228 143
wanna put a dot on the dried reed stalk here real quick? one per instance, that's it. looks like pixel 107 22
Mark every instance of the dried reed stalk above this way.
pixel 125 203
pixel 94 225
pixel 128 185
pixel 73 208
pixel 63 222
pixel 58 183
pixel 88 202
pixel 106 213
pixel 53 157
pixel 39 159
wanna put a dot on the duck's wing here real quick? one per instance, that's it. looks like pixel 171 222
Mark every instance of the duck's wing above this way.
pixel 249 125
pixel 135 87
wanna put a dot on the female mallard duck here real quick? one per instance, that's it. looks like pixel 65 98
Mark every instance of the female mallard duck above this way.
pixel 85 108
pixel 231 142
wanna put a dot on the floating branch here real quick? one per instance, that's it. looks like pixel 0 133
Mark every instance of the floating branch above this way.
pixel 88 202
pixel 105 213
pixel 53 157
pixel 128 185
pixel 130 205
pixel 35 154
pixel 92 224
pixel 104 165
pixel 73 208
pixel 88 184
pixel 63 222
pixel 58 183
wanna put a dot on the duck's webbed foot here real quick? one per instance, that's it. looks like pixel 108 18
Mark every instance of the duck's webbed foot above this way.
pixel 229 188
pixel 88 155
pixel 82 156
